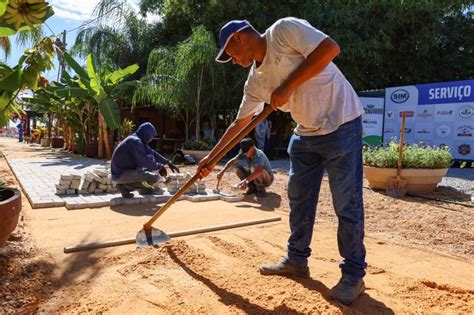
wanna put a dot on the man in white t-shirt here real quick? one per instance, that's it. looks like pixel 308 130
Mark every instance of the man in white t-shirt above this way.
pixel 291 68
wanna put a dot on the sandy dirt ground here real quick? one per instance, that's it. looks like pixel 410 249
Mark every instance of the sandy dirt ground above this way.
pixel 420 255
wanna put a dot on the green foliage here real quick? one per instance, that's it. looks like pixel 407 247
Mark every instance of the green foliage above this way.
pixel 203 144
pixel 186 79
pixel 414 156
pixel 383 43
pixel 126 127
pixel 25 75
pixel 104 87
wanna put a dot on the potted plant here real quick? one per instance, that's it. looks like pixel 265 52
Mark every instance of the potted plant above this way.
pixel 197 148
pixel 423 166
pixel 10 207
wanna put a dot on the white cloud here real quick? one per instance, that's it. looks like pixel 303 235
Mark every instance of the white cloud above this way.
pixel 82 10
pixel 73 9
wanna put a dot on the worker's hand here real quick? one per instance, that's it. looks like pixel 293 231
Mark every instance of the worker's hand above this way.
pixel 173 167
pixel 243 184
pixel 203 169
pixel 280 96
pixel 220 175
pixel 163 171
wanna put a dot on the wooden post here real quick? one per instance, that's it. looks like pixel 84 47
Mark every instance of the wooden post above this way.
pixel 125 241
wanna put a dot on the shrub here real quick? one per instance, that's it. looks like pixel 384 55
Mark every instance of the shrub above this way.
pixel 204 144
pixel 414 156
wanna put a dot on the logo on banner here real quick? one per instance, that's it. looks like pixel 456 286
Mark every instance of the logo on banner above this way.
pixel 371 109
pixel 408 113
pixel 443 131
pixel 390 114
pixel 423 131
pixel 399 96
pixel 369 122
pixel 465 131
pixel 425 114
pixel 408 130
pixel 444 112
pixel 464 149
pixel 466 111
pixel 443 146
pixel 389 130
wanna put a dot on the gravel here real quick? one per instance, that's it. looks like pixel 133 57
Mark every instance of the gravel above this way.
pixel 461 179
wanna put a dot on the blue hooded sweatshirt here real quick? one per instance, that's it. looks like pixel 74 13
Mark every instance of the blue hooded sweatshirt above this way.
pixel 134 152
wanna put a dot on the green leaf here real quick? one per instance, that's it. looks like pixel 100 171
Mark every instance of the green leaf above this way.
pixel 3 6
pixel 11 81
pixel 115 77
pixel 6 30
pixel 110 110
pixel 76 67
pixel 94 78
pixel 69 92
pixel 124 87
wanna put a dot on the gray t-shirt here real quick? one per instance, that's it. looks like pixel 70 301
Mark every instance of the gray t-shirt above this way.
pixel 258 159
pixel 318 106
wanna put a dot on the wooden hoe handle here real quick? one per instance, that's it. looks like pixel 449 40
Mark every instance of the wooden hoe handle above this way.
pixel 254 122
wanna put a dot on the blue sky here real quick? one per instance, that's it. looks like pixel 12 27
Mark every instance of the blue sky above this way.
pixel 69 14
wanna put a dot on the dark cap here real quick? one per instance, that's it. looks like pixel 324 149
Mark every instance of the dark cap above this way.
pixel 246 144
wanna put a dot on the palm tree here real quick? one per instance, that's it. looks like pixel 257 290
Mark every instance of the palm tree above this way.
pixel 187 79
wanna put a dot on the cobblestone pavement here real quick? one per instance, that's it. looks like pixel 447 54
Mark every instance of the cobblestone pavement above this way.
pixel 38 177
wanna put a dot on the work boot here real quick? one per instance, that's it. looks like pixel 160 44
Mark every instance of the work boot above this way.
pixel 124 191
pixel 252 189
pixel 347 291
pixel 146 191
pixel 261 193
pixel 284 268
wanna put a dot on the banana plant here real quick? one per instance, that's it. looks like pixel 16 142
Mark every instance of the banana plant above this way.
pixel 104 87
pixel 25 75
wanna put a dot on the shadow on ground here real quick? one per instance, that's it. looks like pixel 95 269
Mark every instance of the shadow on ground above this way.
pixel 269 203
pixel 28 278
pixel 137 210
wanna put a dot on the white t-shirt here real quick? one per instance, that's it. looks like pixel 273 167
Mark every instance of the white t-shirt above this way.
pixel 318 106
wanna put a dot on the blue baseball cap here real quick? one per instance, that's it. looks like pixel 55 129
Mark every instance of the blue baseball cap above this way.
pixel 226 33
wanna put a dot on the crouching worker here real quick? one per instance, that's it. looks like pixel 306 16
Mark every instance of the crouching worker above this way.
pixel 136 166
pixel 252 167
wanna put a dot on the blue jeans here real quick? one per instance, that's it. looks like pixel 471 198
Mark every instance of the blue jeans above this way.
pixel 340 153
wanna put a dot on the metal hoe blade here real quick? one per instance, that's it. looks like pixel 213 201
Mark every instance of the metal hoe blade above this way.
pixel 147 238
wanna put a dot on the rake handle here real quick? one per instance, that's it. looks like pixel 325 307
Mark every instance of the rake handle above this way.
pixel 400 148
pixel 254 122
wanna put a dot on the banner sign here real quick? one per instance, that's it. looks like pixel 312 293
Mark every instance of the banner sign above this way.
pixel 438 114
pixel 372 120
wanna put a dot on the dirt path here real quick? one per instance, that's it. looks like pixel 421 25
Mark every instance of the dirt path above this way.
pixel 409 271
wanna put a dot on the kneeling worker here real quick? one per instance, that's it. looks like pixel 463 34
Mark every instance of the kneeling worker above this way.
pixel 253 168
pixel 134 161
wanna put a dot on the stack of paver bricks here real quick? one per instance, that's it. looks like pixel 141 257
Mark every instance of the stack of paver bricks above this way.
pixel 97 182
pixel 68 184
pixel 94 182
pixel 178 180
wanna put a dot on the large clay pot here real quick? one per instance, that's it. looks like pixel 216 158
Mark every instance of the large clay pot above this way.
pixel 420 181
pixel 74 148
pixel 57 142
pixel 91 149
pixel 197 154
pixel 10 207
